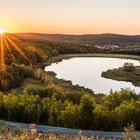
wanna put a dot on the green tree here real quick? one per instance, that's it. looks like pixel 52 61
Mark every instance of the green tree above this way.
pixel 87 105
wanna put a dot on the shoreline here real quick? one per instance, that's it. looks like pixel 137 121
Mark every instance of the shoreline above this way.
pixel 59 58
pixel 120 75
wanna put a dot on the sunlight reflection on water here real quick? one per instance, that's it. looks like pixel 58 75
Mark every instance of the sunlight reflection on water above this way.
pixel 86 71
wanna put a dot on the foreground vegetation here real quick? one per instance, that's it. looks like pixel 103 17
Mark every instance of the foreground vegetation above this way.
pixel 131 74
pixel 51 105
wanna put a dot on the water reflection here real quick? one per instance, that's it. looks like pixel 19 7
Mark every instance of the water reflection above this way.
pixel 86 71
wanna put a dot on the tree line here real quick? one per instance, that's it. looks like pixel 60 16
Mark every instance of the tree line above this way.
pixel 111 112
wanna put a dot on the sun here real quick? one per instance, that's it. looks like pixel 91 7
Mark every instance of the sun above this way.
pixel 2 31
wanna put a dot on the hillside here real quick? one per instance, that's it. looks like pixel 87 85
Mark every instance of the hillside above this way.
pixel 91 39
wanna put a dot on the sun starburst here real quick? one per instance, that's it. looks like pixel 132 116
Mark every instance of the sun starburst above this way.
pixel 7 41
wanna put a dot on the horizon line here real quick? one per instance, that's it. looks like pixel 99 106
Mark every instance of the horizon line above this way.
pixel 45 33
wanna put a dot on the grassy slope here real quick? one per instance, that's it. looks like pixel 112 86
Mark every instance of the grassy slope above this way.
pixel 27 83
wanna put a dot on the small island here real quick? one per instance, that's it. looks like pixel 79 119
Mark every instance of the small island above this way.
pixel 128 72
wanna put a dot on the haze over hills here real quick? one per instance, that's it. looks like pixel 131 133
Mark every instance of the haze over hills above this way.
pixel 87 39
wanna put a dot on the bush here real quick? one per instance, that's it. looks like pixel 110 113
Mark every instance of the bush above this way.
pixel 128 67
pixel 130 133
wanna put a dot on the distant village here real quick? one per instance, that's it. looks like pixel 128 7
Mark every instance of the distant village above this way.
pixel 107 46
pixel 113 47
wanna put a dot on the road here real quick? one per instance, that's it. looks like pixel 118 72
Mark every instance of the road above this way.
pixel 66 131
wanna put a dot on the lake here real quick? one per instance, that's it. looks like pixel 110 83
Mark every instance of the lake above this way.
pixel 86 71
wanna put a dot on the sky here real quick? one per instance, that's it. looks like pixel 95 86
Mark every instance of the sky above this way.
pixel 71 16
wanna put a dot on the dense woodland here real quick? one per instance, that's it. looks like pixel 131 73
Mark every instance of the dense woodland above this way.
pixel 55 101
pixel 43 105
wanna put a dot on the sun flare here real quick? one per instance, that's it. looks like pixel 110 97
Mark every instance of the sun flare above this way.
pixel 2 31
pixel 7 43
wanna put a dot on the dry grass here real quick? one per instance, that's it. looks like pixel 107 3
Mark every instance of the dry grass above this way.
pixel 40 136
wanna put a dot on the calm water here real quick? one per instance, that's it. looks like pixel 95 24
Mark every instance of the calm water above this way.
pixel 86 71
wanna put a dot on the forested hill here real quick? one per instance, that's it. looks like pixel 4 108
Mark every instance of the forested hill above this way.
pixel 90 39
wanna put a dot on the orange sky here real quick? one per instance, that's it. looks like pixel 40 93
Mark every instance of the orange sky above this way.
pixel 71 16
